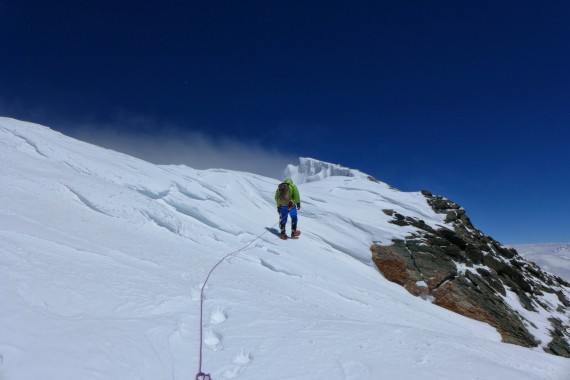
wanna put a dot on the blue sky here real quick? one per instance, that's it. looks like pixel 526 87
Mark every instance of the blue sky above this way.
pixel 468 99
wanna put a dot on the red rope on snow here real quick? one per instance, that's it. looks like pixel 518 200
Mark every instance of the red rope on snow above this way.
pixel 201 375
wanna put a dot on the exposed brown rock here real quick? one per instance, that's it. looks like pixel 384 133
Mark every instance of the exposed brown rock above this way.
pixel 396 268
pixel 480 306
pixel 488 271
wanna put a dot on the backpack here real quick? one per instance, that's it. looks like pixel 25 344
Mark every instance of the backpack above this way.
pixel 284 194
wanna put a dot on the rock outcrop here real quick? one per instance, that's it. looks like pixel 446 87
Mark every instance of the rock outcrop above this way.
pixel 459 268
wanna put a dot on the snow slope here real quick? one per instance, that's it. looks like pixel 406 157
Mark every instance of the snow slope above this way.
pixel 102 257
pixel 552 257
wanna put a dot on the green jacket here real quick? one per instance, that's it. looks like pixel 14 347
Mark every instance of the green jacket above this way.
pixel 295 198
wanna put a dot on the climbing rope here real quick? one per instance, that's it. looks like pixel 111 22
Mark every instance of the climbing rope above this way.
pixel 201 375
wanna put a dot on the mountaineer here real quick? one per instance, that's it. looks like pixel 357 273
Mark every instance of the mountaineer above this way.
pixel 288 202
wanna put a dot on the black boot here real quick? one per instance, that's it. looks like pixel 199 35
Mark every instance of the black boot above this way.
pixel 282 235
pixel 294 232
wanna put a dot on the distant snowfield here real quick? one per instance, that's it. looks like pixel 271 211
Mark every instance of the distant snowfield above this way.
pixel 552 257
pixel 102 257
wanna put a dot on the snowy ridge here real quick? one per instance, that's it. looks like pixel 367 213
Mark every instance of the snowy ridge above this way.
pixel 102 256
pixel 552 257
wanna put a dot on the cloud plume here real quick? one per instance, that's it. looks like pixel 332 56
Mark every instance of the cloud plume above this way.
pixel 174 145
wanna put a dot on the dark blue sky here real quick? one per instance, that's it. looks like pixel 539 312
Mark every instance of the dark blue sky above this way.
pixel 469 99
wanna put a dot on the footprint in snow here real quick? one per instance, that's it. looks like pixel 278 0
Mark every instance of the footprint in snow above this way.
pixel 213 340
pixel 218 316
pixel 240 363
pixel 196 292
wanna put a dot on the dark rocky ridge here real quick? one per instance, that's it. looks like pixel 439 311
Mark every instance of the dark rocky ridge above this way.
pixel 461 269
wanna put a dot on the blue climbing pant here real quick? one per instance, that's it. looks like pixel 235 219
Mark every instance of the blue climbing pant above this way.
pixel 284 212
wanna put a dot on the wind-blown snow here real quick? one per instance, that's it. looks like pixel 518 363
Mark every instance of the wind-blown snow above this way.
pixel 102 257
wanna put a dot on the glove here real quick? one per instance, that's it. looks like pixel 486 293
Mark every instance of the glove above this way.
pixel 299 206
